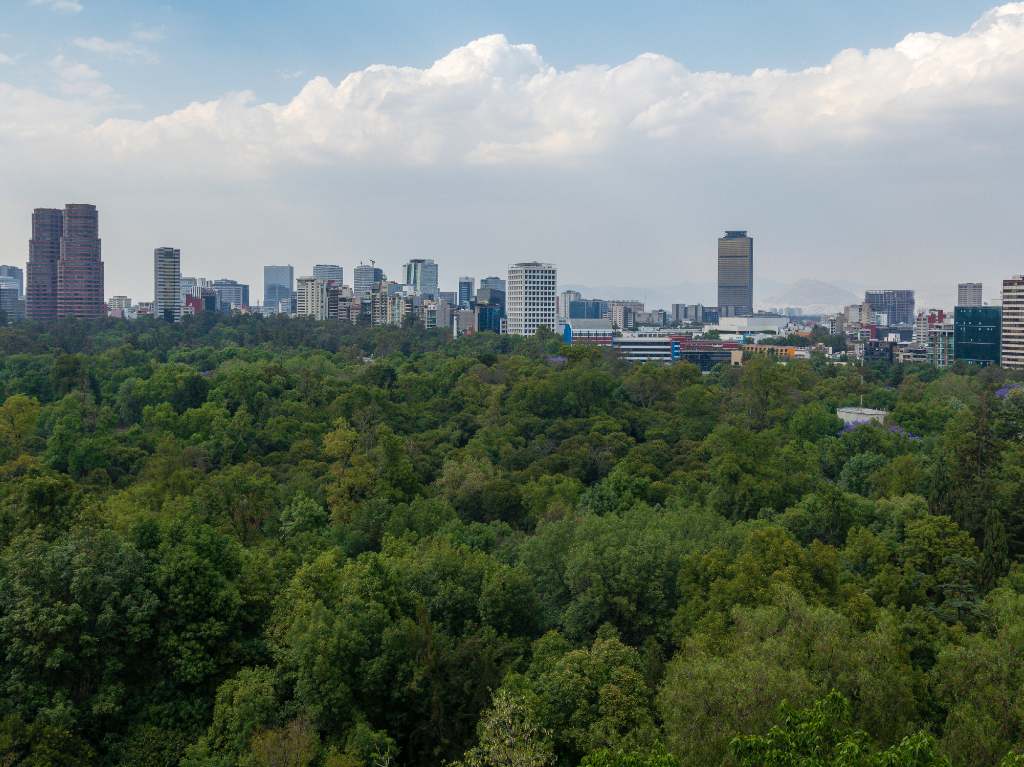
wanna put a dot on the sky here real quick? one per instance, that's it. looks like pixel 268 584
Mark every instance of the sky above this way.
pixel 874 144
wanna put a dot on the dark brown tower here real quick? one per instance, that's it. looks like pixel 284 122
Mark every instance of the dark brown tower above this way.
pixel 43 255
pixel 80 270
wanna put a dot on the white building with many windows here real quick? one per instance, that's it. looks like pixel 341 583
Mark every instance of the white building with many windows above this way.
pixel 531 298
pixel 1013 323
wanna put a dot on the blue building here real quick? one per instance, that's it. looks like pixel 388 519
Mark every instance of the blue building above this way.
pixel 977 332
pixel 588 309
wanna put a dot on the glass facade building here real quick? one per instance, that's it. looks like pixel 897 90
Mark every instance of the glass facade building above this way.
pixel 896 305
pixel 977 332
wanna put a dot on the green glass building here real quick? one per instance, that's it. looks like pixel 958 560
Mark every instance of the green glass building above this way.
pixel 976 334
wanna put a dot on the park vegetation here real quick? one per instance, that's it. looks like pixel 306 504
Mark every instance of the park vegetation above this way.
pixel 272 542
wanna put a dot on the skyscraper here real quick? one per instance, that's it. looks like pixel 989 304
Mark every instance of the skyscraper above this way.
pixel 968 294
pixel 736 274
pixel 167 284
pixel 80 268
pixel 531 298
pixel 330 272
pixel 494 283
pixel 467 287
pixel 364 277
pixel 976 334
pixel 43 256
pixel 15 276
pixel 896 305
pixel 278 284
pixel 1012 352
pixel 231 294
pixel 421 274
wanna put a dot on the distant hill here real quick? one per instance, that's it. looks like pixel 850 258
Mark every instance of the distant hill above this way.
pixel 813 296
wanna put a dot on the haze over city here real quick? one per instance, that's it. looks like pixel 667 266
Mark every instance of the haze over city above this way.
pixel 859 155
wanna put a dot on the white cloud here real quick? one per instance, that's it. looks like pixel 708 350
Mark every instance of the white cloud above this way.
pixel 5 59
pixel 492 101
pixel 149 34
pixel 78 80
pixel 61 6
pixel 121 49
pixel 910 152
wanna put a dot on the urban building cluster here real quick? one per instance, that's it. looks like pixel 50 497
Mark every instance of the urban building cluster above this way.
pixel 64 278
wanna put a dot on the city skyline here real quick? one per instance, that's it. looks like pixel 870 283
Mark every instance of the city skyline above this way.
pixel 615 162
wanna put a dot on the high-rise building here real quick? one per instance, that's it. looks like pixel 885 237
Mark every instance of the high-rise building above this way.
pixel 467 289
pixel 896 305
pixel 12 307
pixel 565 298
pixel 531 298
pixel 736 274
pixel 421 274
pixel 278 286
pixel 80 268
pixel 587 309
pixel 231 294
pixel 1012 336
pixel 167 284
pixel 311 299
pixel 494 283
pixel 976 334
pixel 13 275
pixel 364 277
pixel 968 294
pixel 43 256
pixel 329 273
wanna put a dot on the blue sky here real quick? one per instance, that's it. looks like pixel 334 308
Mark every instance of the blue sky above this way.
pixel 876 145
pixel 208 48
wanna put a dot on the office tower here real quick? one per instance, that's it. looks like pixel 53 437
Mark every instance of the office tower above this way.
pixel 12 308
pixel 311 298
pixel 231 294
pixel 43 255
pixel 467 288
pixel 493 283
pixel 278 284
pixel 968 294
pixel 1012 336
pixel 565 298
pixel 329 273
pixel 976 334
pixel 531 298
pixel 80 268
pixel 119 303
pixel 167 284
pixel 364 277
pixel 421 274
pixel 896 305
pixel 588 309
pixel 736 274
pixel 15 275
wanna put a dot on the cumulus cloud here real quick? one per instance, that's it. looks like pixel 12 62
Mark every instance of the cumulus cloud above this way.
pixel 493 101
pixel 120 49
pixel 61 6
pixel 918 133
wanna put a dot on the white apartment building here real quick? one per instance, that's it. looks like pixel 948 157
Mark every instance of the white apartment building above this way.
pixel 311 298
pixel 1012 355
pixel 531 298
pixel 968 294
pixel 167 284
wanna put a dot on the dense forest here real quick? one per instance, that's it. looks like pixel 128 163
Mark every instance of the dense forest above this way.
pixel 255 542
